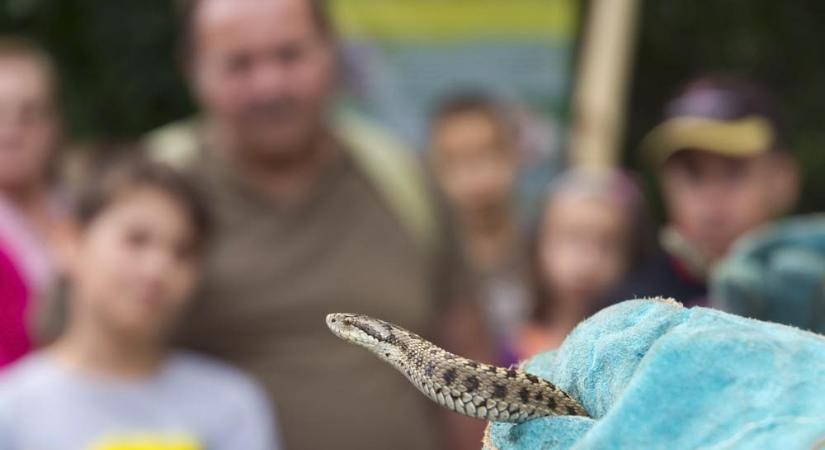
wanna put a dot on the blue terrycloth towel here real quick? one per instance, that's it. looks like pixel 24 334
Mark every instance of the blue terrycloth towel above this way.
pixel 777 274
pixel 655 375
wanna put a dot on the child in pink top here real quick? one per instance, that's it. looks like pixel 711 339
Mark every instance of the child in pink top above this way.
pixel 30 133
pixel 14 337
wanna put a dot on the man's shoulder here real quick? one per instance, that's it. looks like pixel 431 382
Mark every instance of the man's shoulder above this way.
pixel 387 163
pixel 176 143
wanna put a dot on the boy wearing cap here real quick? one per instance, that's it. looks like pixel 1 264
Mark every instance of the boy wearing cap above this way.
pixel 724 170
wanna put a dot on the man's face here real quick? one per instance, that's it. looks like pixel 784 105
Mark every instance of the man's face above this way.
pixel 263 71
pixel 29 127
pixel 712 200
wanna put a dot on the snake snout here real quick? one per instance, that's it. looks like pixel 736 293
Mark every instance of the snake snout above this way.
pixel 338 322
pixel 333 319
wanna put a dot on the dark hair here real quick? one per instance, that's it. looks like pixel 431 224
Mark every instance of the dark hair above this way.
pixel 729 97
pixel 21 47
pixel 106 179
pixel 188 9
pixel 474 102
pixel 125 171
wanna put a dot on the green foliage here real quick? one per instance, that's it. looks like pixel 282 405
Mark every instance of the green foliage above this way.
pixel 777 42
pixel 119 76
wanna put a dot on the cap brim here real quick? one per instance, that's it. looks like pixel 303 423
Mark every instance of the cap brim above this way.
pixel 749 136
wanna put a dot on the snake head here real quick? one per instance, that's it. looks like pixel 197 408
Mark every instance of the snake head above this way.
pixel 376 335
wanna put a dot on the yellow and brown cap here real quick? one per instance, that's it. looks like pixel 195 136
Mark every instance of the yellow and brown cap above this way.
pixel 729 116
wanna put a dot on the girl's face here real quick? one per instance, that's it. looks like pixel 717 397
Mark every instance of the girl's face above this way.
pixel 134 266
pixel 29 126
pixel 583 249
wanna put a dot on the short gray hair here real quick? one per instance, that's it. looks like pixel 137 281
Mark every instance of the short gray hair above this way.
pixel 187 10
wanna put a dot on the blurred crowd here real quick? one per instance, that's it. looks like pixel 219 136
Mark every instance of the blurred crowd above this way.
pixel 173 291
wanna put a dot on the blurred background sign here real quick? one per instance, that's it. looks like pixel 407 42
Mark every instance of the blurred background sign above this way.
pixel 403 56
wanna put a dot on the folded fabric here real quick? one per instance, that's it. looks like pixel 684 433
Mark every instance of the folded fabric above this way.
pixel 653 375
pixel 777 274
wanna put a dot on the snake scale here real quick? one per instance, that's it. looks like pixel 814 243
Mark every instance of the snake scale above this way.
pixel 467 387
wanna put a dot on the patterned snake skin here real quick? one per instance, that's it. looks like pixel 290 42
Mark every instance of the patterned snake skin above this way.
pixel 459 384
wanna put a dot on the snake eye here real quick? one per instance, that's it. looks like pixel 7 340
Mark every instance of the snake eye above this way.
pixel 347 322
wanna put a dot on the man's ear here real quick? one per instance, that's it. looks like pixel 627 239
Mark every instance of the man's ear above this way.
pixel 785 183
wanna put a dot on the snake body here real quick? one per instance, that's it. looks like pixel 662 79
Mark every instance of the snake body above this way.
pixel 462 385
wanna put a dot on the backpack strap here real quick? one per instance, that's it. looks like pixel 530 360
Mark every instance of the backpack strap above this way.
pixel 176 144
pixel 396 173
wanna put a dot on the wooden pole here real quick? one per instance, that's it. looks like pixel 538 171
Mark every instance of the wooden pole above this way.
pixel 601 88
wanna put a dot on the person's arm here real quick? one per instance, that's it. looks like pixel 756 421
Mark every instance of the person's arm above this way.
pixel 6 440
pixel 7 434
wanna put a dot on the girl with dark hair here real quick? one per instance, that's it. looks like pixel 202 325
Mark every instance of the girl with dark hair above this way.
pixel 131 258
pixel 590 235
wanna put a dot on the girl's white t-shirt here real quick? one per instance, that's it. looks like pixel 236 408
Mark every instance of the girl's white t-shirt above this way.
pixel 193 403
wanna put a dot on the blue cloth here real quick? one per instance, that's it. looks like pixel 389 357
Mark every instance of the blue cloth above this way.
pixel 776 274
pixel 656 375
